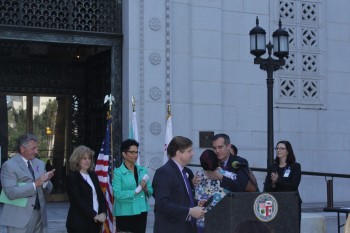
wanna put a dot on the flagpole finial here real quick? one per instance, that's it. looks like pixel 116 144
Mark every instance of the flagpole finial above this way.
pixel 133 103
pixel 109 98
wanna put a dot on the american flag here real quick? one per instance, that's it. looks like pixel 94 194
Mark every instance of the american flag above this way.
pixel 104 171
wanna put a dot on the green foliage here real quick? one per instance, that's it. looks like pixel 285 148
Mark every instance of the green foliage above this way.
pixel 17 126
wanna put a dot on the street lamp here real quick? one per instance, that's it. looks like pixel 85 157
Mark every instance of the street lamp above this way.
pixel 280 49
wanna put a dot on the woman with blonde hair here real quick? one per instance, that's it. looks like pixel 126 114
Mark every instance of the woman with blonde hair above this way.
pixel 87 210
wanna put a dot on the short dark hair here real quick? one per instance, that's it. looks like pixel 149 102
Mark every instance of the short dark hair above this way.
pixel 209 161
pixel 178 143
pixel 224 136
pixel 234 148
pixel 290 157
pixel 127 144
pixel 24 139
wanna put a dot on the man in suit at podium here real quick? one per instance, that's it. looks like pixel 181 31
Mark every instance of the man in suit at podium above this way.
pixel 231 163
pixel 175 208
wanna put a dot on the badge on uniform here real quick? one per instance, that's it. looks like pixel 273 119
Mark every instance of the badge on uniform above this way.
pixel 287 172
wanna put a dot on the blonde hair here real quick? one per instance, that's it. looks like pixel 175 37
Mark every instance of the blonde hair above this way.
pixel 78 154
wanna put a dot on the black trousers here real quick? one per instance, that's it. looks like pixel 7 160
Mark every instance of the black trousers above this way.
pixel 133 223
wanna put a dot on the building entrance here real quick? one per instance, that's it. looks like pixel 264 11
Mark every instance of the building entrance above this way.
pixel 58 59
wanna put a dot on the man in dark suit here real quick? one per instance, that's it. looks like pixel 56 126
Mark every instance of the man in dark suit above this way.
pixel 221 147
pixel 175 208
pixel 24 176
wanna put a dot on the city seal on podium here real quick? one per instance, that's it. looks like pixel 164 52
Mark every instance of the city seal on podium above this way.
pixel 265 207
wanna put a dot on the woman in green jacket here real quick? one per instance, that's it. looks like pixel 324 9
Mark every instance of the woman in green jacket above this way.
pixel 131 188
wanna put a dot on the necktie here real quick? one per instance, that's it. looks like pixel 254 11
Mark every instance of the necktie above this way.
pixel 31 169
pixel 188 186
pixel 37 203
pixel 222 164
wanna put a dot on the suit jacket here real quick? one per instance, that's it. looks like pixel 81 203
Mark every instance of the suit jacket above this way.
pixel 15 171
pixel 241 182
pixel 81 213
pixel 172 202
pixel 284 183
pixel 126 203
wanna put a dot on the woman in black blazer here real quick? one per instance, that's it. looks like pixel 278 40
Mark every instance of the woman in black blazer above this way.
pixel 87 210
pixel 285 174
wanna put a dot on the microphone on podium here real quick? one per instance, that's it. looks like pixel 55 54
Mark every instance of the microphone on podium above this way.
pixel 236 164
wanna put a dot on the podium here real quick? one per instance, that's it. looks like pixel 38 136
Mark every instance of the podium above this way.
pixel 279 211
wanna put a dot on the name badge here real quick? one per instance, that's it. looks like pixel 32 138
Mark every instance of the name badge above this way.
pixel 286 173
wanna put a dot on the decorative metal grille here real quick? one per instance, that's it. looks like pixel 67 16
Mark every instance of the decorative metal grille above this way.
pixel 287 10
pixel 309 12
pixel 300 79
pixel 310 90
pixel 290 63
pixel 309 63
pixel 78 15
pixel 292 34
pixel 288 89
pixel 309 37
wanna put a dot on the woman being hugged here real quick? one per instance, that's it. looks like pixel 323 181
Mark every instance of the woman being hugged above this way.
pixel 87 210
pixel 285 174
pixel 131 188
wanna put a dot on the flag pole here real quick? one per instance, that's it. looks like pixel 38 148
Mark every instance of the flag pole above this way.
pixel 109 117
pixel 133 103
pixel 109 225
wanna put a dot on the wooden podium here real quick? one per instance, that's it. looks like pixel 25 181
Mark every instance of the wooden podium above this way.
pixel 279 211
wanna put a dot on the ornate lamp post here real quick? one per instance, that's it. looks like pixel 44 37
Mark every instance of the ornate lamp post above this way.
pixel 280 49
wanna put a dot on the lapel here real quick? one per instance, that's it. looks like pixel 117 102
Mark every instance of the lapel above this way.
pixel 23 166
pixel 179 176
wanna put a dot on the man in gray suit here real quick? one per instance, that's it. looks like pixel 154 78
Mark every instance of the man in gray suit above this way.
pixel 24 176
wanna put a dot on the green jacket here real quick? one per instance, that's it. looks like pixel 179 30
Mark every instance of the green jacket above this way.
pixel 126 203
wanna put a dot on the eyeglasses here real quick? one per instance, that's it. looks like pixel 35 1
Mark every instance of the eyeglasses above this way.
pixel 133 152
pixel 280 148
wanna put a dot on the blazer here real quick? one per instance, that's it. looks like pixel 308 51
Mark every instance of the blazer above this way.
pixel 241 182
pixel 284 183
pixel 172 202
pixel 81 213
pixel 15 171
pixel 126 203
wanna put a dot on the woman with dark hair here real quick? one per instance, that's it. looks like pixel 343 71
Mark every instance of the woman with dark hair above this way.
pixel 208 187
pixel 285 174
pixel 131 188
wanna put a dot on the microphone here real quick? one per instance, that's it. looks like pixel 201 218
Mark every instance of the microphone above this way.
pixel 236 164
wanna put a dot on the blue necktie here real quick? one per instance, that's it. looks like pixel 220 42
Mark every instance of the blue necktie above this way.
pixel 37 203
pixel 188 186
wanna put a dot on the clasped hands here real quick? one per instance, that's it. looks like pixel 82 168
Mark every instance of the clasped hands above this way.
pixel 100 217
pixel 44 177
pixel 143 185
pixel 274 177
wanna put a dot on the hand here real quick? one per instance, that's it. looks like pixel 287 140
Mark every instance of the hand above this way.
pixel 44 177
pixel 143 184
pixel 197 212
pixel 202 202
pixel 48 175
pixel 274 177
pixel 100 217
pixel 196 180
pixel 214 175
